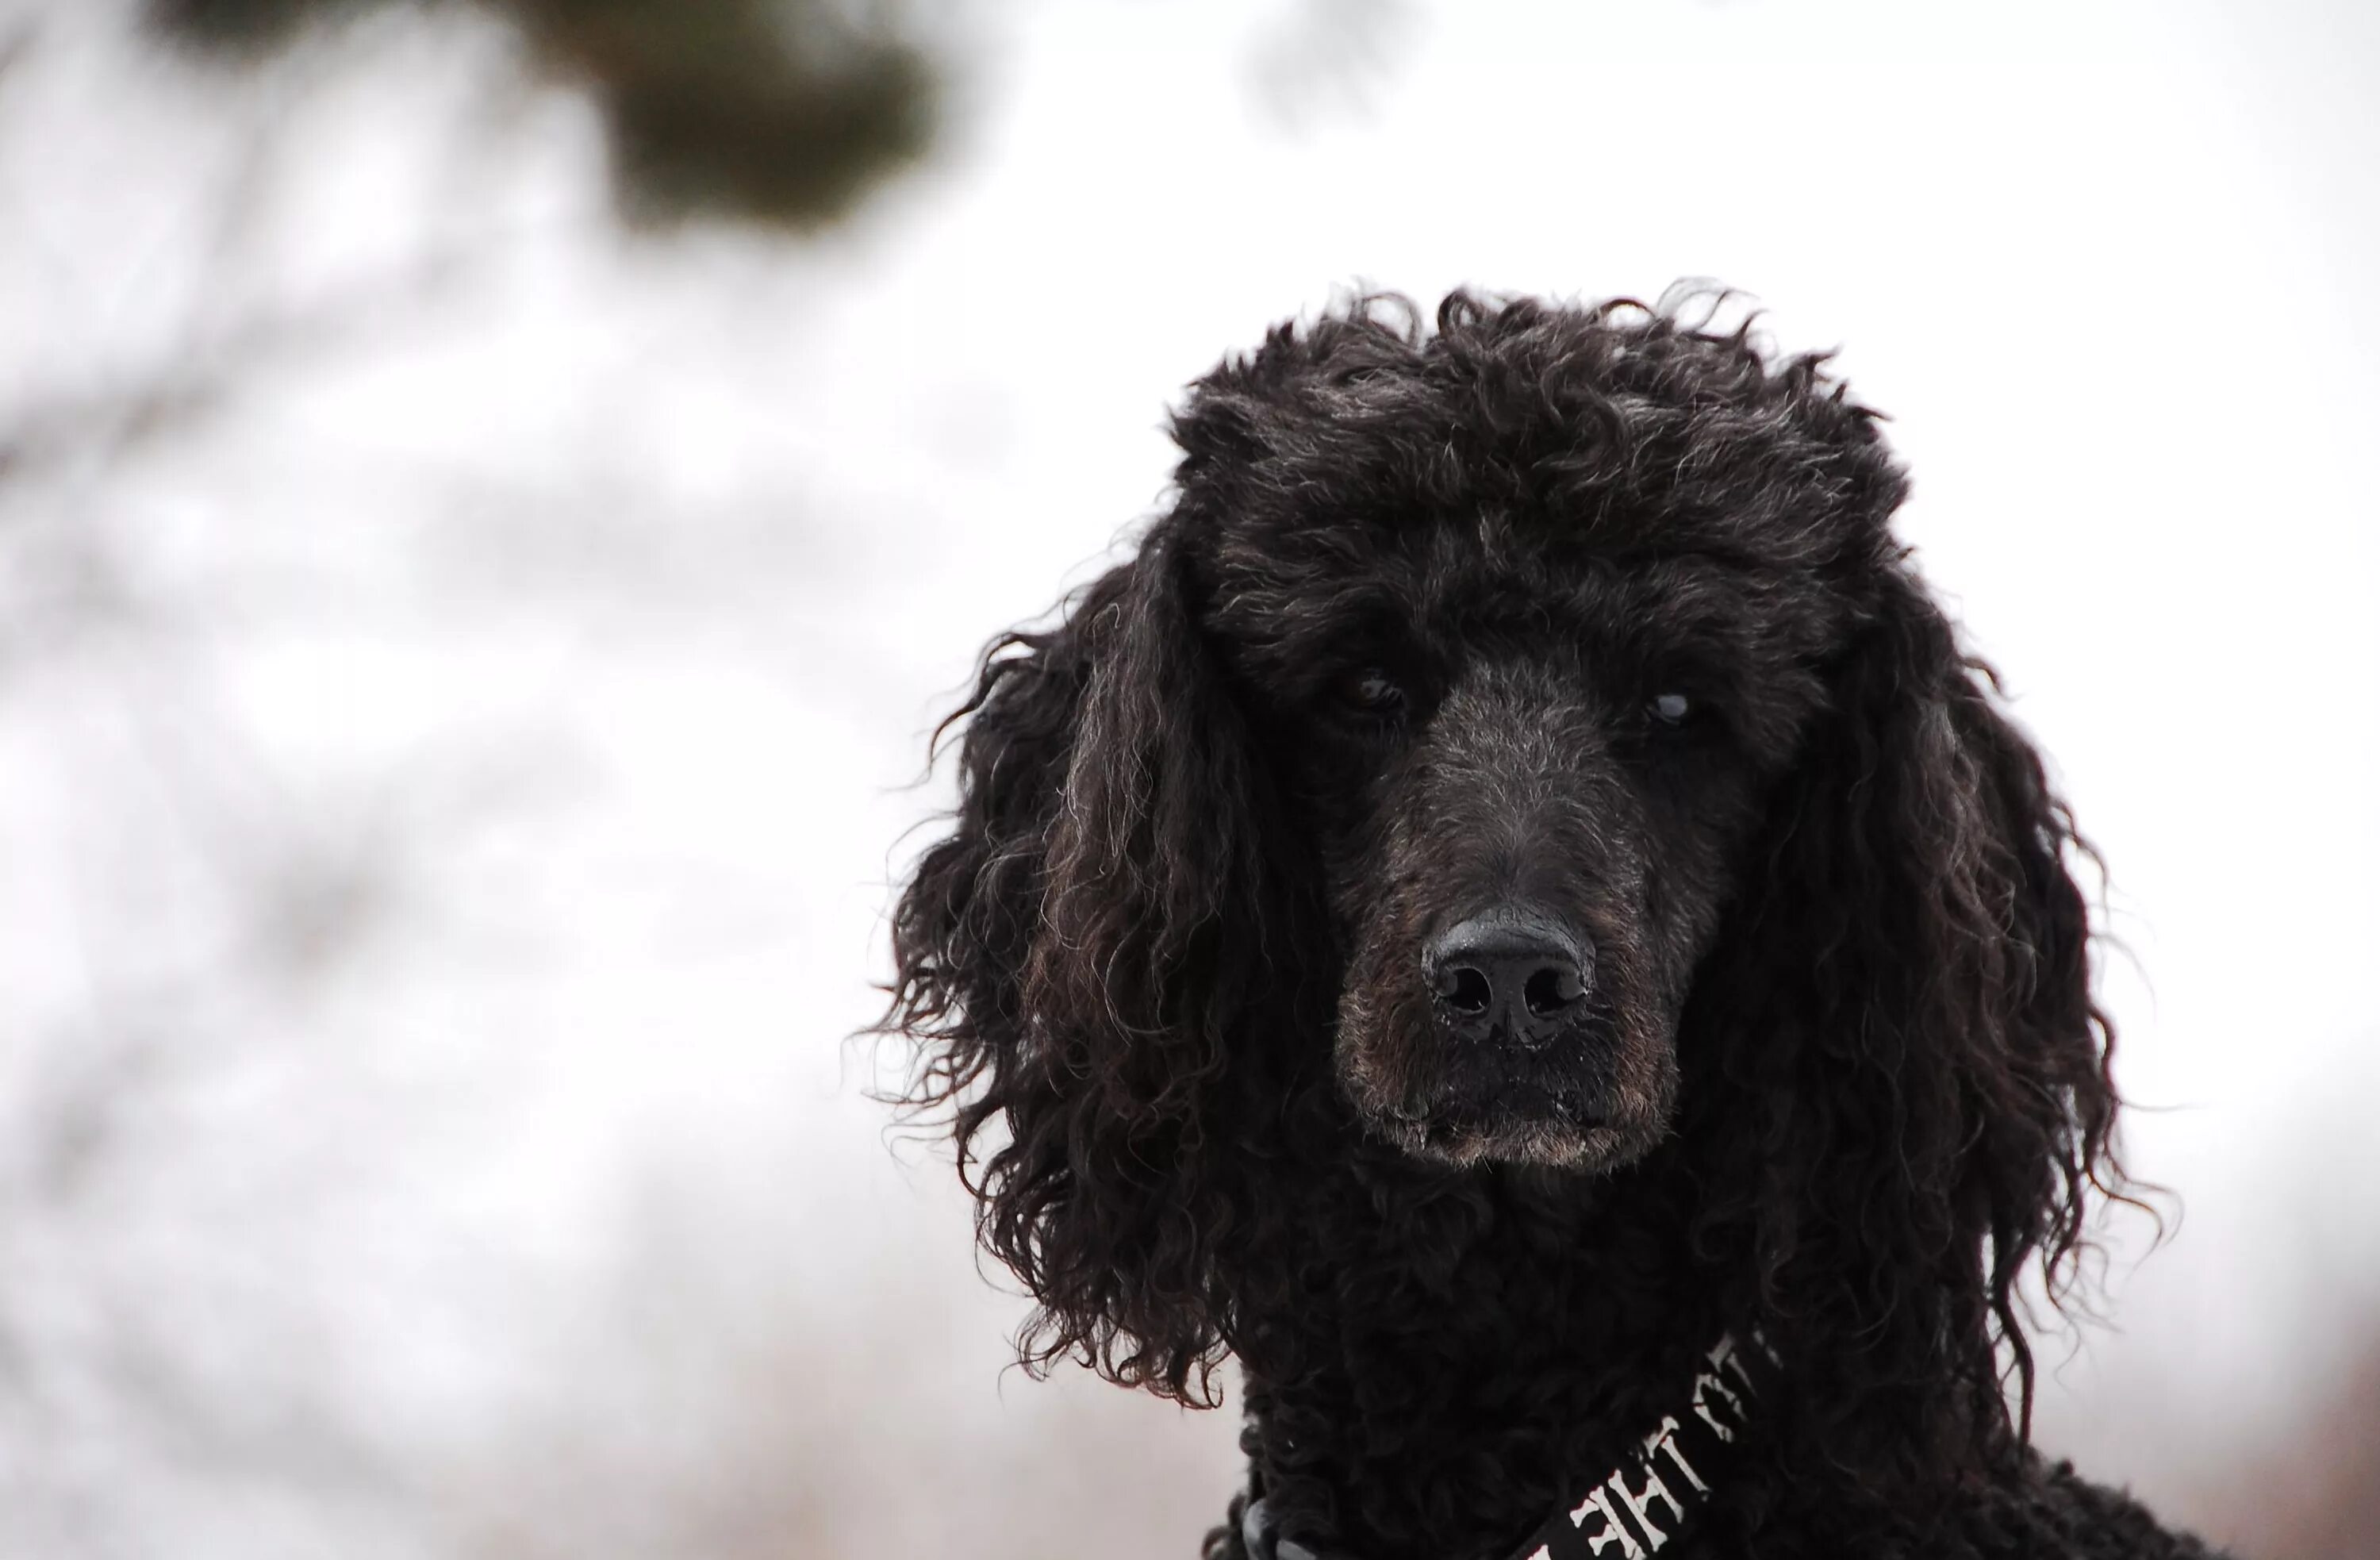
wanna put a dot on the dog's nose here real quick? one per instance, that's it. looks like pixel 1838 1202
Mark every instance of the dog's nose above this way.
pixel 1509 974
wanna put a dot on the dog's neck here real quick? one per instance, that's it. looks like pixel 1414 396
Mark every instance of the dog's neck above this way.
pixel 1471 1347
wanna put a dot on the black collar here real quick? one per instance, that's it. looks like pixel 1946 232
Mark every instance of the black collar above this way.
pixel 1644 1503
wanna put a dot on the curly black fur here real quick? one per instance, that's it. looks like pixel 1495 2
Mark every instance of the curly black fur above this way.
pixel 1594 612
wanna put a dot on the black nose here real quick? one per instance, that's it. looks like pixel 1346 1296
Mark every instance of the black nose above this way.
pixel 1509 973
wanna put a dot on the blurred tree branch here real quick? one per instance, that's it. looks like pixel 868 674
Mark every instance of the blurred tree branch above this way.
pixel 785 112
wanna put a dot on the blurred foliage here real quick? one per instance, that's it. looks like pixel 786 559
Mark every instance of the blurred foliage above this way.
pixel 779 111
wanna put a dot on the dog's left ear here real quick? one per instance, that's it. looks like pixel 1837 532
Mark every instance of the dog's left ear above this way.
pixel 1930 1071
pixel 1080 960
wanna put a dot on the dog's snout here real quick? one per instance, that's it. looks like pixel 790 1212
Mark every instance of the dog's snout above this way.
pixel 1509 973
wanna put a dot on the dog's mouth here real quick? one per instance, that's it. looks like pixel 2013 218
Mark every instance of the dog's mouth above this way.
pixel 1473 1114
pixel 1523 1123
pixel 1598 1098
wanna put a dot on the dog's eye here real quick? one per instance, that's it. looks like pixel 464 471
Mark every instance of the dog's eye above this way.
pixel 1373 691
pixel 1670 708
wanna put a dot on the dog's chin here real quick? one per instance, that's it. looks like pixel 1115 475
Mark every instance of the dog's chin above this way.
pixel 1553 1131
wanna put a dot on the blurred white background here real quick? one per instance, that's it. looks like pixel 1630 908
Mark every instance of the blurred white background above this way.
pixel 464 663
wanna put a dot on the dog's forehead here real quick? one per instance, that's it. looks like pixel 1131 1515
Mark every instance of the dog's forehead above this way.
pixel 1298 584
pixel 1352 508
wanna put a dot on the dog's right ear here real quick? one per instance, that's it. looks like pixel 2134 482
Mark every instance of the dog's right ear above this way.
pixel 1076 960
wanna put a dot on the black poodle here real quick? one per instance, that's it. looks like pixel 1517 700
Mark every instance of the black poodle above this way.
pixel 1513 916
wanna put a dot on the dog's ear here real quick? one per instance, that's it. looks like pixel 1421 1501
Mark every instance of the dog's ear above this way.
pixel 1927 1063
pixel 1078 958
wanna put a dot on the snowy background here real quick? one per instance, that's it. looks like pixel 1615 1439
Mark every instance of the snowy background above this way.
pixel 464 666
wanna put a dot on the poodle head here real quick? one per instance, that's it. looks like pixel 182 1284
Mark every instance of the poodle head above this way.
pixel 1527 618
